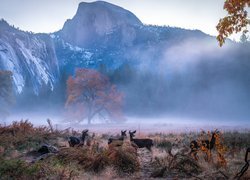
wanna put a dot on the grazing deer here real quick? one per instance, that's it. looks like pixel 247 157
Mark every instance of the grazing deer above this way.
pixel 78 141
pixel 204 145
pixel 245 167
pixel 120 138
pixel 141 143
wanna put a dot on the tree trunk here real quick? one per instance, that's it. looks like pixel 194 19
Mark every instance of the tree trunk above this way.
pixel 89 120
pixel 92 113
pixel 89 114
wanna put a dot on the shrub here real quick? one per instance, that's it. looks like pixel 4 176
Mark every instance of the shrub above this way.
pixel 124 159
pixel 24 136
pixel 179 165
pixel 100 162
pixel 16 169
pixel 164 144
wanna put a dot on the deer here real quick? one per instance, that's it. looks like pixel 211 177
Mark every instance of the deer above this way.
pixel 120 138
pixel 205 145
pixel 141 143
pixel 73 141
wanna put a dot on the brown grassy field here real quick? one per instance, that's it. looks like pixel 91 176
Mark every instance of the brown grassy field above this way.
pixel 169 158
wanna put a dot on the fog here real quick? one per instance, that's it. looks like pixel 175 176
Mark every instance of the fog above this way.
pixel 190 84
pixel 167 124
pixel 191 79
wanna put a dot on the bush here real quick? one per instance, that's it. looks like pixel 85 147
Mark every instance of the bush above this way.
pixel 16 169
pixel 100 162
pixel 124 159
pixel 24 136
pixel 181 166
pixel 86 158
pixel 164 144
pixel 237 140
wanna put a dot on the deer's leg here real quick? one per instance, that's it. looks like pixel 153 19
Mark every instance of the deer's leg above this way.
pixel 70 145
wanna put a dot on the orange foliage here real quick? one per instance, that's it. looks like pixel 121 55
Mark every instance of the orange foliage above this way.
pixel 90 93
pixel 220 149
pixel 235 21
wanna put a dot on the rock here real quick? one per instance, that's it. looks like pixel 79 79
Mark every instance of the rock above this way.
pixel 44 149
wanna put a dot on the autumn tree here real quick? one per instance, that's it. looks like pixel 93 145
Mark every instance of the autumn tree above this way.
pixel 90 93
pixel 236 21
pixel 6 92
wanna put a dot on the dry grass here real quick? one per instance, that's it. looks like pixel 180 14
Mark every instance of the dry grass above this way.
pixel 170 156
pixel 124 158
pixel 179 165
pixel 24 136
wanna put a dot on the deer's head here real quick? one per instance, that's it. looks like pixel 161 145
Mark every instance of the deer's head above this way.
pixel 123 133
pixel 132 134
pixel 85 132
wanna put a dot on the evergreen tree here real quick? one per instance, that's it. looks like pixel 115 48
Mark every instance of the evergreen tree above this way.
pixel 6 93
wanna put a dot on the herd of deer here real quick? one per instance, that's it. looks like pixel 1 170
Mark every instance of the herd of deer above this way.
pixel 140 143
pixel 147 143
pixel 204 145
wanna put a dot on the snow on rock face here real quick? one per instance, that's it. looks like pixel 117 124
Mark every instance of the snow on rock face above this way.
pixel 36 66
pixel 30 57
pixel 9 61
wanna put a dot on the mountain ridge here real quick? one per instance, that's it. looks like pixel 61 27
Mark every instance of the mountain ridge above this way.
pixel 124 32
pixel 94 21
pixel 160 69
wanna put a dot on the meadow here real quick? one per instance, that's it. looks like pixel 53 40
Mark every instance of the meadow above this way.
pixel 169 158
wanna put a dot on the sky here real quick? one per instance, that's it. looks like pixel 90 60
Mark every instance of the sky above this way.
pixel 50 15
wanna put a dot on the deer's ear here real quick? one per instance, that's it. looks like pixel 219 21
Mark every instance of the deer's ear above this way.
pixel 134 131
pixel 125 131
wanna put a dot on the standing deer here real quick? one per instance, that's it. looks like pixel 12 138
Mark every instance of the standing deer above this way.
pixel 120 138
pixel 141 143
pixel 78 141
pixel 204 145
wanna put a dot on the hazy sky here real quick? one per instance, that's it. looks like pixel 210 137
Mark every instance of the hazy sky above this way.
pixel 50 15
